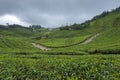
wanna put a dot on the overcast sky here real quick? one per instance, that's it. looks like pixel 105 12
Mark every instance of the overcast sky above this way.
pixel 52 13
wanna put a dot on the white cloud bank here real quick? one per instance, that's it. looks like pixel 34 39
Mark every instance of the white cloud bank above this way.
pixel 12 19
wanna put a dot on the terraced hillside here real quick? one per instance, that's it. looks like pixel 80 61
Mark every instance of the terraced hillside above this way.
pixel 13 44
pixel 107 42
pixel 16 38
pixel 103 43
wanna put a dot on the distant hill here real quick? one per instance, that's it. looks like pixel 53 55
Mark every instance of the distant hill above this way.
pixel 20 31
pixel 106 15
pixel 107 24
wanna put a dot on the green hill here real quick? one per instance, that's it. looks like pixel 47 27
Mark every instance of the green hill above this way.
pixel 13 44
pixel 17 38
pixel 107 24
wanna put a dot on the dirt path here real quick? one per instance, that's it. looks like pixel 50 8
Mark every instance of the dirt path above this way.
pixel 85 42
pixel 40 47
pixel 90 39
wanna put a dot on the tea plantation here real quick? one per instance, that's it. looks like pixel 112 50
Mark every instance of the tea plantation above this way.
pixel 67 57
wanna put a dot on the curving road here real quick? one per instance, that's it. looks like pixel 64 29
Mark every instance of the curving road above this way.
pixel 90 39
pixel 40 47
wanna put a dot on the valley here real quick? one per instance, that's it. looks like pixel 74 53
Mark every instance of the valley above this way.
pixel 86 51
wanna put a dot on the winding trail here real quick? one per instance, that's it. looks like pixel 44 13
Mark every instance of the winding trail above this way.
pixel 40 47
pixel 90 39
pixel 84 42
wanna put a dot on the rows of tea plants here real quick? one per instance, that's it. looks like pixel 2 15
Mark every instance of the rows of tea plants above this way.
pixel 107 42
pixel 11 44
pixel 48 67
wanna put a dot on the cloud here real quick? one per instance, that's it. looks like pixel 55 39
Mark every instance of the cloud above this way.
pixel 53 20
pixel 11 19
pixel 54 13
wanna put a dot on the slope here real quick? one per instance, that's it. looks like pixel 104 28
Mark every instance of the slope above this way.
pixel 108 42
pixel 76 33
pixel 15 38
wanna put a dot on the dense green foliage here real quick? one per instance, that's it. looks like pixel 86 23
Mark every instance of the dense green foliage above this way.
pixel 43 67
